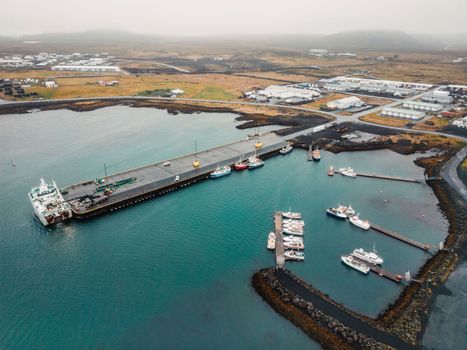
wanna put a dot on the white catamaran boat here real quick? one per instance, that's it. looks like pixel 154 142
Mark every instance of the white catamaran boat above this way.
pixel 370 257
pixel 355 264
pixel 364 224
pixel 294 255
pixel 271 240
pixel 48 203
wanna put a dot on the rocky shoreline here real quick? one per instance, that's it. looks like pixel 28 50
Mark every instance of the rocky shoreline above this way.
pixel 407 317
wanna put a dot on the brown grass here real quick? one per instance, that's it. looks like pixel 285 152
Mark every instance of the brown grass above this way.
pixel 377 119
pixel 437 124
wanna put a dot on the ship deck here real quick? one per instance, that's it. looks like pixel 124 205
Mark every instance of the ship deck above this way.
pixel 156 176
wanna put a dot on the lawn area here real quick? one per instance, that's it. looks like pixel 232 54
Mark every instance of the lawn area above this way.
pixel 377 119
pixel 215 93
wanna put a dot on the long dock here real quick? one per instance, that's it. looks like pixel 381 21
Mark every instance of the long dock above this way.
pixel 280 257
pixel 382 272
pixel 400 237
pixel 384 177
pixel 117 191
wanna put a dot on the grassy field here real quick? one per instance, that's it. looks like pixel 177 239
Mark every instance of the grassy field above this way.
pixel 438 123
pixel 377 119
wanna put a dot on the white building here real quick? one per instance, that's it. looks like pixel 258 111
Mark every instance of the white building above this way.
pixel 437 96
pixel 51 84
pixel 402 113
pixel 319 52
pixel 288 93
pixel 87 68
pixel 346 102
pixel 422 106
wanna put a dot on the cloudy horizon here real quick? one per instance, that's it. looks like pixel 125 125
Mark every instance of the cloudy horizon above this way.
pixel 243 17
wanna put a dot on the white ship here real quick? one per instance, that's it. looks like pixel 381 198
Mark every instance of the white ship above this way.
pixel 293 239
pixel 349 211
pixel 294 255
pixel 272 240
pixel 291 215
pixel 286 149
pixel 370 257
pixel 292 231
pixel 48 203
pixel 293 222
pixel 364 224
pixel 347 172
pixel 355 264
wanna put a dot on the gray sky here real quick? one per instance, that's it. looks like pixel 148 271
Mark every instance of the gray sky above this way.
pixel 214 17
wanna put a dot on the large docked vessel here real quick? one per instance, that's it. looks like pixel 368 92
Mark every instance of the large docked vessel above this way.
pixel 370 257
pixel 254 163
pixel 336 213
pixel 220 171
pixel 364 224
pixel 316 154
pixel 348 172
pixel 286 149
pixel 48 203
pixel 355 264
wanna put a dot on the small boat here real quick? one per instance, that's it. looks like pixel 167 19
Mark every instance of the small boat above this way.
pixel 241 164
pixel 293 222
pixel 349 211
pixel 347 172
pixel 364 224
pixel 355 264
pixel 13 163
pixel 286 149
pixel 293 239
pixel 294 232
pixel 331 171
pixel 336 213
pixel 254 163
pixel 220 171
pixel 291 215
pixel 271 240
pixel 294 255
pixel 316 155
pixel 166 163
pixel 370 257
pixel 293 245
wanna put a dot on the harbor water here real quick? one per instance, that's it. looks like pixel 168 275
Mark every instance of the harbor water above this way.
pixel 176 271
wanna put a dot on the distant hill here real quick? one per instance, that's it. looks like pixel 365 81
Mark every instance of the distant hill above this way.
pixel 357 40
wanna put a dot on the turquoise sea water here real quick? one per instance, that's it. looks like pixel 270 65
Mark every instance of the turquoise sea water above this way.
pixel 175 271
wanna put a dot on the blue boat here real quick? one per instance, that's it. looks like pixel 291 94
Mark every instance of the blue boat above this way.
pixel 220 171
pixel 254 163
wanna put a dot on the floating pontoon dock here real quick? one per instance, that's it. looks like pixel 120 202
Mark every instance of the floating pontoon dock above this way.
pixel 129 187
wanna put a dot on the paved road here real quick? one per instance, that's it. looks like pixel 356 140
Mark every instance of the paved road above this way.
pixel 450 175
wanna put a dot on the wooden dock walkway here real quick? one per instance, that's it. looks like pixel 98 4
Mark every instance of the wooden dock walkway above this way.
pixel 381 272
pixel 400 237
pixel 280 257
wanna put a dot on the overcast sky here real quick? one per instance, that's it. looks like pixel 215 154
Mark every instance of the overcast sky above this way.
pixel 214 17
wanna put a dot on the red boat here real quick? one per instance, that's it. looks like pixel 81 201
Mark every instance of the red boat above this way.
pixel 241 166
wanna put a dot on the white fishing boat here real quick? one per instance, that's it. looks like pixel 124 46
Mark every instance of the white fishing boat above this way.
pixel 370 257
pixel 48 203
pixel 364 224
pixel 293 239
pixel 296 231
pixel 286 149
pixel 336 213
pixel 349 211
pixel 271 240
pixel 293 222
pixel 221 171
pixel 355 264
pixel 291 215
pixel 294 255
pixel 294 245
pixel 348 172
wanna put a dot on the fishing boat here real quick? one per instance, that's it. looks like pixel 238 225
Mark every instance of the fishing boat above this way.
pixel 293 239
pixel 220 171
pixel 348 172
pixel 241 164
pixel 335 212
pixel 331 171
pixel 48 203
pixel 293 222
pixel 364 224
pixel 254 163
pixel 370 257
pixel 291 215
pixel 290 231
pixel 271 240
pixel 349 211
pixel 286 149
pixel 355 264
pixel 294 255
pixel 316 155
pixel 294 245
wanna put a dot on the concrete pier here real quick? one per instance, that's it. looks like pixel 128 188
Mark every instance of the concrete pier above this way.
pixel 280 257
pixel 87 199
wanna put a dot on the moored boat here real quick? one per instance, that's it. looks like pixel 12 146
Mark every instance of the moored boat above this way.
pixel 336 213
pixel 254 163
pixel 370 257
pixel 293 222
pixel 291 215
pixel 316 155
pixel 294 232
pixel 294 245
pixel 294 255
pixel 271 240
pixel 293 239
pixel 349 211
pixel 364 224
pixel 220 171
pixel 286 149
pixel 355 264
pixel 241 164
pixel 348 172
pixel 331 171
